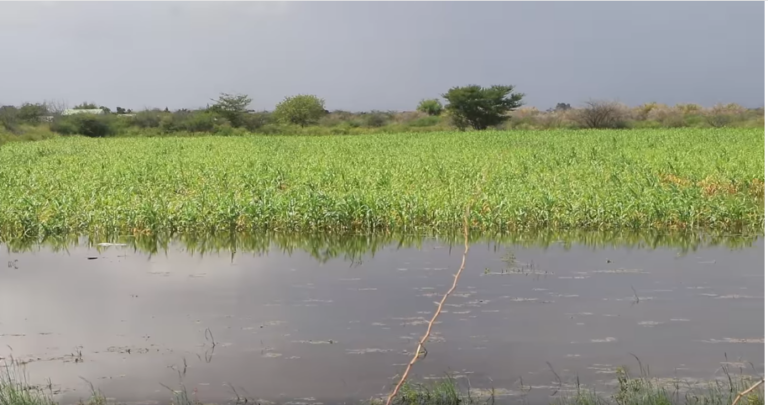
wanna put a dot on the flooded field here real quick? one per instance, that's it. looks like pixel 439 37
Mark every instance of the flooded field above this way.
pixel 283 327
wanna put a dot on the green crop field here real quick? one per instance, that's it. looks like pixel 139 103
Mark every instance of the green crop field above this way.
pixel 513 181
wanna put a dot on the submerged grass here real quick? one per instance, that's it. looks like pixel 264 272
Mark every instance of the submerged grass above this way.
pixel 14 389
pixel 559 180
pixel 441 392
pixel 643 390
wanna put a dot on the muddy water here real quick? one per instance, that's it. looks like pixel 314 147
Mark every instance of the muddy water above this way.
pixel 286 327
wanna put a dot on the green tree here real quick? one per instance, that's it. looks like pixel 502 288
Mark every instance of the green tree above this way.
pixel 431 106
pixel 86 106
pixel 232 107
pixel 481 107
pixel 31 113
pixel 301 110
pixel 9 118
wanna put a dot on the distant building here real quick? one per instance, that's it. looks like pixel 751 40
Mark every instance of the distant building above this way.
pixel 72 111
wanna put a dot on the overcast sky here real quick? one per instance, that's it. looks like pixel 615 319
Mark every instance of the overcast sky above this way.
pixel 387 56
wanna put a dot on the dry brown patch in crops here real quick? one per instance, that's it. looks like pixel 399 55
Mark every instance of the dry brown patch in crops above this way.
pixel 486 209
pixel 757 188
pixel 711 187
pixel 137 231
pixel 241 222
pixel 672 179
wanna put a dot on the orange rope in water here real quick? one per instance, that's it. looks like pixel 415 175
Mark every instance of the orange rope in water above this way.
pixel 747 391
pixel 437 313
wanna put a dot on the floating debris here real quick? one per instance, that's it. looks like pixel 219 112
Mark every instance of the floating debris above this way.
pixel 736 340
pixel 368 350
pixel 315 342
pixel 605 340
pixel 620 271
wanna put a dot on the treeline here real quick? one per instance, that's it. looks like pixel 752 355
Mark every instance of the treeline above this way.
pixel 466 108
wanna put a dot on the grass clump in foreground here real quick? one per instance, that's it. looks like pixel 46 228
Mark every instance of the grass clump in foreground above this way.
pixel 558 180
pixel 15 389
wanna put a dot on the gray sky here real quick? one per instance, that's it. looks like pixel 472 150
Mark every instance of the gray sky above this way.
pixel 363 56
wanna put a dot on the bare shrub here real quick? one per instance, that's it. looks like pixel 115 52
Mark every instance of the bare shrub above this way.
pixel 56 107
pixel 551 119
pixel 406 117
pixel 689 109
pixel 722 115
pixel 643 112
pixel 667 117
pixel 602 114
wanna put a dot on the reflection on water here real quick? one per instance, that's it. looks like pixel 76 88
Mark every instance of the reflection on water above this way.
pixel 324 247
pixel 287 319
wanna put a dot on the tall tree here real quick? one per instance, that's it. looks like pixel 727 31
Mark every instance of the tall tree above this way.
pixel 481 107
pixel 232 107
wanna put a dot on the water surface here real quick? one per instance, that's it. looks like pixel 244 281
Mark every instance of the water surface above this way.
pixel 287 327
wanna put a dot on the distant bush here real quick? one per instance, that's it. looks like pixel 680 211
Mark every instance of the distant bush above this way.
pixel 272 129
pixel 147 119
pixel 723 115
pixel 90 125
pixel 256 120
pixel 198 121
pixel 300 110
pixel 228 130
pixel 406 117
pixel 687 109
pixel 430 106
pixel 376 119
pixel 602 114
pixel 665 117
pixel 26 133
pixel 425 121
pixel 559 118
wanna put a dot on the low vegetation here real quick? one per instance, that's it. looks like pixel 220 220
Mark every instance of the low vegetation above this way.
pixel 684 179
pixel 470 108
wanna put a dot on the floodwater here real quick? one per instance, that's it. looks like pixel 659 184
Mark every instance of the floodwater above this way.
pixel 527 321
